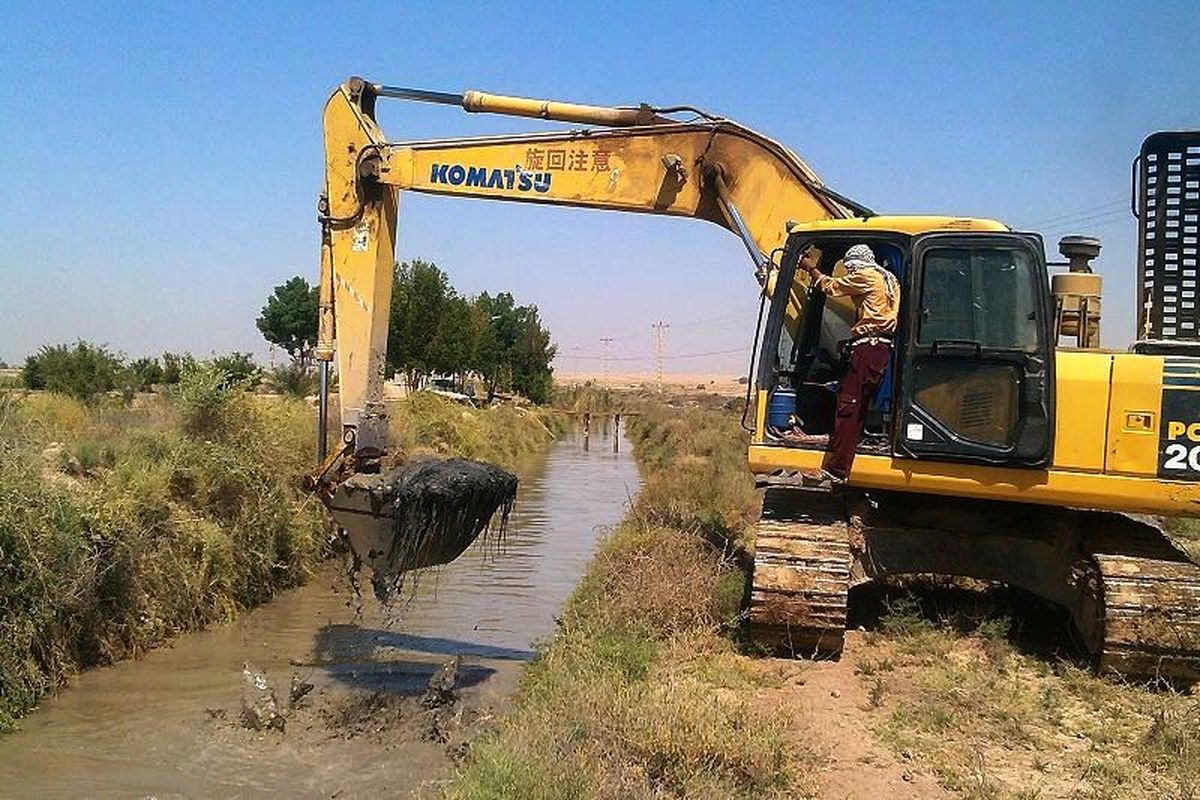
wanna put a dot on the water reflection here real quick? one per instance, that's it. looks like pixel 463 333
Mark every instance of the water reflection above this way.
pixel 141 727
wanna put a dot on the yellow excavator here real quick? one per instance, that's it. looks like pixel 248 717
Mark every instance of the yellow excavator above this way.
pixel 1003 445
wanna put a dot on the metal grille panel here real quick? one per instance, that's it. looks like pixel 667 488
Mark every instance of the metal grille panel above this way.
pixel 1168 210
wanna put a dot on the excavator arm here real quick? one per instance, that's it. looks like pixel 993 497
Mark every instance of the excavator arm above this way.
pixel 636 159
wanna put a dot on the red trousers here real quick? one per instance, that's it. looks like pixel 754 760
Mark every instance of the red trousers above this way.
pixel 868 362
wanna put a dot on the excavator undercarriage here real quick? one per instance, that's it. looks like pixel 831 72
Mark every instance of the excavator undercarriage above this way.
pixel 1132 593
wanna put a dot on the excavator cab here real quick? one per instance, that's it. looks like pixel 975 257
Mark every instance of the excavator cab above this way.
pixel 972 372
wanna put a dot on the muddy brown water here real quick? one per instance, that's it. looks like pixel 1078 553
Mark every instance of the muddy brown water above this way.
pixel 167 725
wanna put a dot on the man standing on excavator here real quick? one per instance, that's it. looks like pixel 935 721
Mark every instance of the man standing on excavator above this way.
pixel 876 296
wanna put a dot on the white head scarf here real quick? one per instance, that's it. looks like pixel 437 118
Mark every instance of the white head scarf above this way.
pixel 860 257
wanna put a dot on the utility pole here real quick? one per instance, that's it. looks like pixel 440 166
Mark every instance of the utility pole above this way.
pixel 660 328
pixel 605 341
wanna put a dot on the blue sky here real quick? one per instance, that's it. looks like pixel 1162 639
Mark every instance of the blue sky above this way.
pixel 160 163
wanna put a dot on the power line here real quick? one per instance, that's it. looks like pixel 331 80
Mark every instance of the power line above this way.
pixel 713 325
pixel 631 344
pixel 709 353
pixel 726 319
pixel 1100 210
pixel 732 316
pixel 1118 217
pixel 1087 225
pixel 1119 213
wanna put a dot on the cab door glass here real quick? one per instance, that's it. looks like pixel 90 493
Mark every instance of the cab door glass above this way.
pixel 981 296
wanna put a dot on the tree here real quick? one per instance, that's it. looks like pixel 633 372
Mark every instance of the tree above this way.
pixel 492 356
pixel 82 371
pixel 432 328
pixel 144 373
pixel 512 350
pixel 240 368
pixel 454 345
pixel 174 365
pixel 289 320
pixel 484 348
pixel 420 293
pixel 291 380
pixel 530 357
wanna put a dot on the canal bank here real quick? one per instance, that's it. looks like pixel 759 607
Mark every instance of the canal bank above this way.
pixel 643 693
pixel 170 724
pixel 124 525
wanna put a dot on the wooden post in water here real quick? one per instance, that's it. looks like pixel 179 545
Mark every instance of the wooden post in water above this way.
pixel 617 432
pixel 587 428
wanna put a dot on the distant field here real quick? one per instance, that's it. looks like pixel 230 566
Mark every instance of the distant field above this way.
pixel 720 384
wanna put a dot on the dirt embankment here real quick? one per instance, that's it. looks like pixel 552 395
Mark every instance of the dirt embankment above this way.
pixel 124 525
pixel 647 691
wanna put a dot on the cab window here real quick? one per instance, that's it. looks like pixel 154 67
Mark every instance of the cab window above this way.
pixel 979 296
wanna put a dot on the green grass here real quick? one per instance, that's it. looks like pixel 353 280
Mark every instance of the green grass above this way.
pixel 694 465
pixel 505 434
pixel 118 531
pixel 991 721
pixel 586 397
pixel 124 525
pixel 641 693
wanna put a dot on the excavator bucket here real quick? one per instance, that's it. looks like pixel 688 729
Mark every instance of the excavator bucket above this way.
pixel 422 514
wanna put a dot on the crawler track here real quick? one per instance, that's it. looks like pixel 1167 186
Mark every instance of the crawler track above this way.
pixel 801 574
pixel 1149 600
pixel 1133 594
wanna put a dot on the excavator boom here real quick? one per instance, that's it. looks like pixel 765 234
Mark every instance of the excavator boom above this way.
pixel 709 169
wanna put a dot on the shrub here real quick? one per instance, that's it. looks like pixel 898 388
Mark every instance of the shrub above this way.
pixel 82 371
pixel 156 534
pixel 628 700
pixel 240 368
pixel 144 373
pixel 293 380
pixel 583 397
pixel 696 448
pixel 53 416
pixel 174 365
pixel 205 393
pixel 10 416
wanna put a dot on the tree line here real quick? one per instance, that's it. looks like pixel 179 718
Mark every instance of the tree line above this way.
pixel 85 370
pixel 434 330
